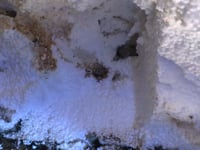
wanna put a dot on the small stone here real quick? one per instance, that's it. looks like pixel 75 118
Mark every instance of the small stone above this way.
pixel 93 140
pixel 128 49
pixel 97 70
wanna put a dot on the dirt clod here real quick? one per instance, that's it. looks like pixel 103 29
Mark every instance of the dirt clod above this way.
pixel 44 60
pixel 36 32
pixel 97 70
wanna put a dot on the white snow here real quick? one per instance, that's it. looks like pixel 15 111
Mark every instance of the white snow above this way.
pixel 157 97
pixel 64 98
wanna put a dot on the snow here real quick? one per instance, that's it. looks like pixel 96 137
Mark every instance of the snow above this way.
pixel 65 98
pixel 157 96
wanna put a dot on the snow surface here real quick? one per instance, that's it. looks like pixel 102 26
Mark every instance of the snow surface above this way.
pixel 157 99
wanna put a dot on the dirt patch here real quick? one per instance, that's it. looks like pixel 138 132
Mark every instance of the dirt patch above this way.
pixel 42 39
pixel 39 30
pixel 5 22
pixel 97 70
pixel 44 60
pixel 33 29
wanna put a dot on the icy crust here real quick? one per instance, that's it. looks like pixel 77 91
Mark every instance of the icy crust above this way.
pixel 183 50
pixel 178 69
pixel 180 29
pixel 178 104
pixel 180 36
pixel 180 44
pixel 176 28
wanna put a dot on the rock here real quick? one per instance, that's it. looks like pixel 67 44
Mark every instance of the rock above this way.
pixel 93 140
pixel 128 49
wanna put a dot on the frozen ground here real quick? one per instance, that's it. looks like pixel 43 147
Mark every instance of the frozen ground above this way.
pixel 146 100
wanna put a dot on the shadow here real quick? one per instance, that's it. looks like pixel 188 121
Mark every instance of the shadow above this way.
pixel 145 73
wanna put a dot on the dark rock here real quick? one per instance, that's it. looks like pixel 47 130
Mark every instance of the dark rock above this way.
pixel 125 51
pixel 8 143
pixel 129 49
pixel 93 140
pixel 11 13
pixel 8 12
pixel 159 147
